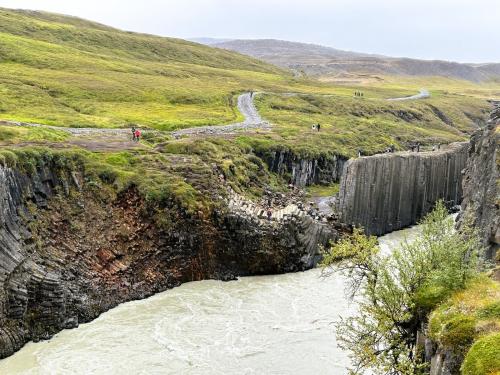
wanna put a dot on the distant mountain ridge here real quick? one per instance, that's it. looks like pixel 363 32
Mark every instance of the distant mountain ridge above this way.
pixel 318 60
pixel 209 41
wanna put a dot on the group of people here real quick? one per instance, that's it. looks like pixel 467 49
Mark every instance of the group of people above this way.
pixel 390 149
pixel 136 134
pixel 316 127
pixel 358 93
pixel 415 147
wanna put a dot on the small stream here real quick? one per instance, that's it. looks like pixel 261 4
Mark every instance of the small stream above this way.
pixel 282 324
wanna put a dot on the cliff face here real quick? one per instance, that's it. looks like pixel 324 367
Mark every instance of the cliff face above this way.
pixel 71 250
pixel 480 205
pixel 479 208
pixel 305 171
pixel 387 192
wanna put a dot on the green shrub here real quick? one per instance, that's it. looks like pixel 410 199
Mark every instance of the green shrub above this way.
pixel 490 311
pixel 483 358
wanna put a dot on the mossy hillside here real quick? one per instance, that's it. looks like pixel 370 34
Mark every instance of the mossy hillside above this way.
pixel 17 134
pixel 437 86
pixel 370 124
pixel 66 71
pixel 189 173
pixel 468 318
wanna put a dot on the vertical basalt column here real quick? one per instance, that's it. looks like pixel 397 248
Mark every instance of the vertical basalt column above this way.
pixel 387 192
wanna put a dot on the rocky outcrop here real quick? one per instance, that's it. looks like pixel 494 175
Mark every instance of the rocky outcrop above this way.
pixel 304 171
pixel 480 206
pixel 387 192
pixel 19 289
pixel 480 209
pixel 296 226
pixel 70 249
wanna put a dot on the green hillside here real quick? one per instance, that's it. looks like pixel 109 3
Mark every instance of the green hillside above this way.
pixel 66 71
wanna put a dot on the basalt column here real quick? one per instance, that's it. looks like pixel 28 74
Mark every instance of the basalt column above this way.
pixel 387 192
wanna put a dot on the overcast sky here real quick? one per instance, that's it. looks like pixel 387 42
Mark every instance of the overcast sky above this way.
pixel 460 30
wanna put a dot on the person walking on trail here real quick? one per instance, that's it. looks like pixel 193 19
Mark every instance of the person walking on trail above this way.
pixel 418 146
pixel 137 135
pixel 133 133
pixel 269 214
pixel 318 127
pixel 251 94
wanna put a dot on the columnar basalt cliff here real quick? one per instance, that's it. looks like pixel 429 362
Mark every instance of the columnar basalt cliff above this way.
pixel 480 209
pixel 480 206
pixel 70 250
pixel 305 171
pixel 387 192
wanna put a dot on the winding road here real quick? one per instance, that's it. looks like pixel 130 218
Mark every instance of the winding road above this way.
pixel 245 106
pixel 423 94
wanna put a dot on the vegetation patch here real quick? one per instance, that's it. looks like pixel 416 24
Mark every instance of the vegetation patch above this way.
pixel 467 316
pixel 383 336
pixel 483 357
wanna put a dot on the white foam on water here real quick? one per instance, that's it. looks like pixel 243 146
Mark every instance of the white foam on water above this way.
pixel 280 324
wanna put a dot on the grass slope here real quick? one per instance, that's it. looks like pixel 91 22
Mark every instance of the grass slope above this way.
pixel 65 71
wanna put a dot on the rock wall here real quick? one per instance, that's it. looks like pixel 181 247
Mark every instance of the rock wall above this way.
pixel 479 208
pixel 302 172
pixel 481 193
pixel 71 250
pixel 387 192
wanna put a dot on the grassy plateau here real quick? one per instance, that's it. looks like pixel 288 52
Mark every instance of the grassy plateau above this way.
pixel 68 72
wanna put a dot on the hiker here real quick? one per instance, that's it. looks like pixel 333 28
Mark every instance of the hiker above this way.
pixel 251 94
pixel 392 148
pixel 418 146
pixel 269 214
pixel 318 127
pixel 137 135
pixel 439 146
pixel 360 153
pixel 133 133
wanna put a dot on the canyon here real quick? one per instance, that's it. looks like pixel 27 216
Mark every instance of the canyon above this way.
pixel 69 251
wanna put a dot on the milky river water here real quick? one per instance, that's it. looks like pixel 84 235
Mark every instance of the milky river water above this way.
pixel 281 324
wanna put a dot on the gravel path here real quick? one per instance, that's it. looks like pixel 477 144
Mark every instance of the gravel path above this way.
pixel 245 106
pixel 423 94
pixel 247 109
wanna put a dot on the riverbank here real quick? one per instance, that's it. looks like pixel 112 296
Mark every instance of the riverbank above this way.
pixel 279 324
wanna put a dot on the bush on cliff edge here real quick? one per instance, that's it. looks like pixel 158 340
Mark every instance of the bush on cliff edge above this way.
pixel 392 289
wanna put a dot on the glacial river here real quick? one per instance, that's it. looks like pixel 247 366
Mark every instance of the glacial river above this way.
pixel 280 324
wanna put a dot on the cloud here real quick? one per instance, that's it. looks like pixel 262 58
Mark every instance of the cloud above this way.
pixel 434 29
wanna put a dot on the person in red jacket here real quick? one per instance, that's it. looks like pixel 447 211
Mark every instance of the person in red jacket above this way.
pixel 137 135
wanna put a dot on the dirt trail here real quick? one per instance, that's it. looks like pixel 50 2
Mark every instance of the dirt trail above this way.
pixel 245 106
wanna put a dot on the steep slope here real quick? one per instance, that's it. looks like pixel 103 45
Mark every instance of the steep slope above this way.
pixel 319 60
pixel 63 70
